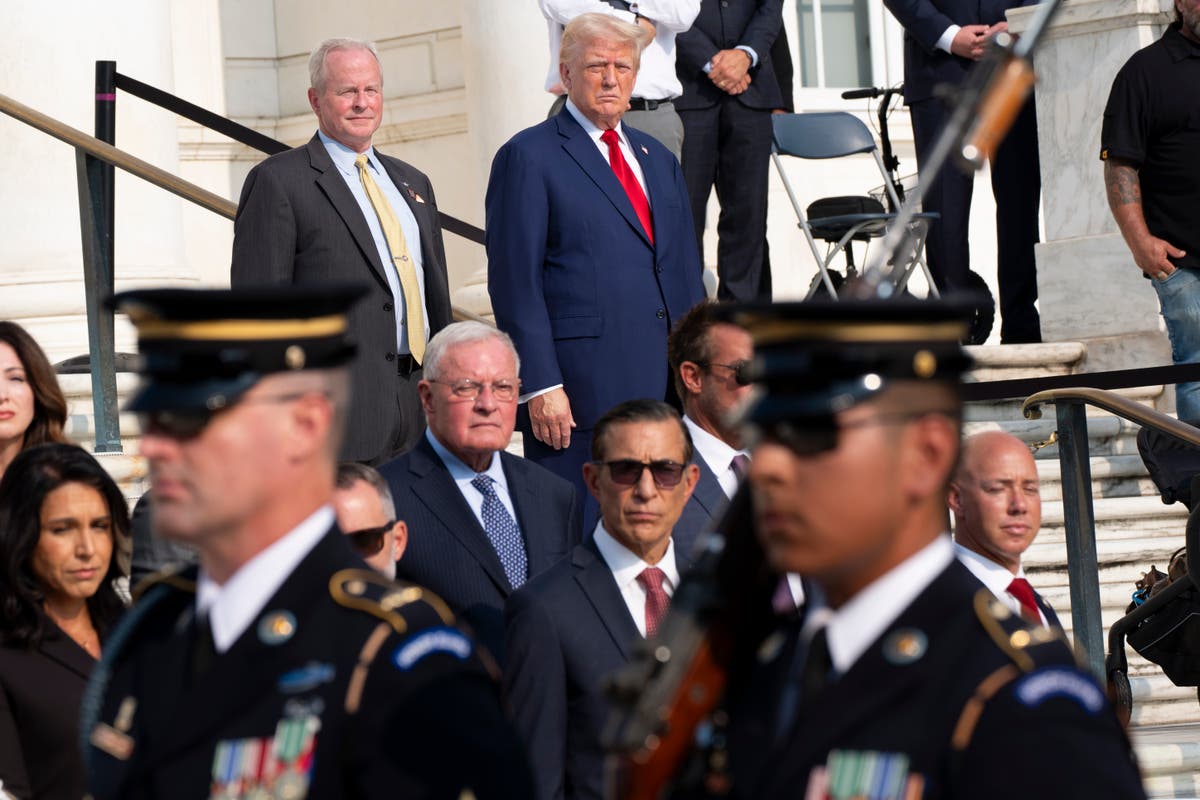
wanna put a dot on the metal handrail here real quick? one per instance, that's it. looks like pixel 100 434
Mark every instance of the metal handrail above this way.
pixel 118 158
pixel 1079 518
pixel 1116 404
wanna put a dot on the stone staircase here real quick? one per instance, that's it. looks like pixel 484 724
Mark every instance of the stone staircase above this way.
pixel 1134 529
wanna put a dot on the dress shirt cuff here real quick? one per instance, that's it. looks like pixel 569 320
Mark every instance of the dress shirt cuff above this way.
pixel 948 38
pixel 750 52
pixel 525 398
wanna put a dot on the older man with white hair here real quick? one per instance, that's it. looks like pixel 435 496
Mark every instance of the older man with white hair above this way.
pixel 481 521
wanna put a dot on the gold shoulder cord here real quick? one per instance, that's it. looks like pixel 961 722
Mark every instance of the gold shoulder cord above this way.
pixel 169 576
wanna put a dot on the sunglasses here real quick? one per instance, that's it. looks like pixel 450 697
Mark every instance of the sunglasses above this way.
pixel 820 435
pixel 369 541
pixel 740 370
pixel 189 424
pixel 627 472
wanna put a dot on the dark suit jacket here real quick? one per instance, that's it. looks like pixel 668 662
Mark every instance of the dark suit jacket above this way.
pixel 572 276
pixel 298 223
pixel 924 22
pixel 702 510
pixel 40 695
pixel 428 722
pixel 567 630
pixel 723 25
pixel 448 550
pixel 1047 733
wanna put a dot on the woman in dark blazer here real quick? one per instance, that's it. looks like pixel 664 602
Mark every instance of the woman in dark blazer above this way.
pixel 62 523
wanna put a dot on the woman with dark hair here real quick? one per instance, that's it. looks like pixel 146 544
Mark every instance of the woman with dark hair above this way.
pixel 32 407
pixel 62 522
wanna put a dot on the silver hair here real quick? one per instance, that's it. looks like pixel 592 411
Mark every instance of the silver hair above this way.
pixel 316 61
pixel 587 28
pixel 350 472
pixel 459 333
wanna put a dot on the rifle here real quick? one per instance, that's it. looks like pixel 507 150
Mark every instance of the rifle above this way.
pixel 674 682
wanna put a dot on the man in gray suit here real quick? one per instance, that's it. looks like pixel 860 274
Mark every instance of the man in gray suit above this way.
pixel 336 210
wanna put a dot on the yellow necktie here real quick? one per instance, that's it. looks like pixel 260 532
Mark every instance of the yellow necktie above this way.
pixel 414 312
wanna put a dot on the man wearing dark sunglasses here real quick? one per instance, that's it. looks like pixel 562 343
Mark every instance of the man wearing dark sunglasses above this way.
pixel 576 623
pixel 279 643
pixel 366 514
pixel 709 361
pixel 904 665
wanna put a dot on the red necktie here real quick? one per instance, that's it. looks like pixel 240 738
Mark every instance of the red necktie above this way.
pixel 629 182
pixel 651 579
pixel 1020 589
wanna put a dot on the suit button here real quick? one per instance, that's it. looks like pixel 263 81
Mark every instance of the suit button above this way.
pixel 658 268
pixel 390 356
pixel 661 313
pixel 387 306
pixel 724 3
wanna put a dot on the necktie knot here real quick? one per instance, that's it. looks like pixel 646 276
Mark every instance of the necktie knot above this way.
pixel 1020 589
pixel 651 580
pixel 360 161
pixel 484 484
pixel 740 464
pixel 609 137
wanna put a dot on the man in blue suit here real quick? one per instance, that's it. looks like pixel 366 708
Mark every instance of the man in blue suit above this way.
pixel 942 40
pixel 573 625
pixel 480 521
pixel 997 504
pixel 591 251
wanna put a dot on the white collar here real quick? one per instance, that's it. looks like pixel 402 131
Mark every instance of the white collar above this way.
pixel 592 129
pixel 627 565
pixel 232 606
pixel 715 452
pixel 996 577
pixel 863 619
pixel 459 471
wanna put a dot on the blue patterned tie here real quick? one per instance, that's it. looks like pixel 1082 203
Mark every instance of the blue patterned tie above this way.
pixel 503 532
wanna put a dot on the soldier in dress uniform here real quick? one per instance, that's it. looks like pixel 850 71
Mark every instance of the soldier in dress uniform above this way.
pixel 905 678
pixel 282 667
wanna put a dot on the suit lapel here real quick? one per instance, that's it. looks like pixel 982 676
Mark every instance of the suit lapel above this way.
pixel 334 187
pixel 708 491
pixel 596 579
pixel 440 494
pixel 525 502
pixel 58 646
pixel 651 172
pixel 586 154
pixel 241 677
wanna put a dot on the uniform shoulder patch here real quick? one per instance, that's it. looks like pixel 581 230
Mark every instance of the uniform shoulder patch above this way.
pixel 179 577
pixel 1045 684
pixel 403 606
pixel 443 639
pixel 1021 642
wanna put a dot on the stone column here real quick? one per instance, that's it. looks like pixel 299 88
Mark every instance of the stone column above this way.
pixel 1089 288
pixel 504 77
pixel 47 58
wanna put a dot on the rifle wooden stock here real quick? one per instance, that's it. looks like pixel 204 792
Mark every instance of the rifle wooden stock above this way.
pixel 998 108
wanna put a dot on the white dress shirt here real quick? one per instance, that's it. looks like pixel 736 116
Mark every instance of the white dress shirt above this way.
pixel 233 605
pixel 626 566
pixel 463 475
pixel 343 159
pixel 656 79
pixel 996 577
pixel 717 454
pixel 860 621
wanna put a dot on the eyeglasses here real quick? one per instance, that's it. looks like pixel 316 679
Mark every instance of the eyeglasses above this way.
pixel 627 472
pixel 191 423
pixel 820 435
pixel 740 369
pixel 504 391
pixel 369 541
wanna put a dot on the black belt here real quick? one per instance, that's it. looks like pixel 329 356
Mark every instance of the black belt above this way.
pixel 641 104
pixel 406 365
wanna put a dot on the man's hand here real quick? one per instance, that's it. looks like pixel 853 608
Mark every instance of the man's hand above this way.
pixel 1124 190
pixel 550 414
pixel 731 70
pixel 1150 254
pixel 971 40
